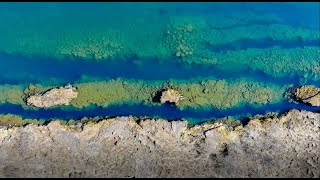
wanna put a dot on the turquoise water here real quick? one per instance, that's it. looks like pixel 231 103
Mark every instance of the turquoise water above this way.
pixel 244 44
pixel 42 67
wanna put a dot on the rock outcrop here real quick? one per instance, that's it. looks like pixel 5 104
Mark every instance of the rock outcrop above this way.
pixel 286 146
pixel 171 95
pixel 53 97
pixel 308 94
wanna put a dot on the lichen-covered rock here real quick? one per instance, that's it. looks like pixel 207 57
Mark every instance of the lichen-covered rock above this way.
pixel 171 95
pixel 308 94
pixel 286 146
pixel 53 97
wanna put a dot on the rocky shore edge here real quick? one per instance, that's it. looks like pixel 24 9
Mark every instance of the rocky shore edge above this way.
pixel 278 146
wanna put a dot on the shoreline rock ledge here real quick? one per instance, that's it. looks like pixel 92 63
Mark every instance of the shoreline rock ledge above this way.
pixel 53 97
pixel 308 94
pixel 284 146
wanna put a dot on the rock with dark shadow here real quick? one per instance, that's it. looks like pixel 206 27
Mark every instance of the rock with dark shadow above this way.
pixel 172 96
pixel 308 94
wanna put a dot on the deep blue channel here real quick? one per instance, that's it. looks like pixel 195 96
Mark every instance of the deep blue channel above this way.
pixel 166 111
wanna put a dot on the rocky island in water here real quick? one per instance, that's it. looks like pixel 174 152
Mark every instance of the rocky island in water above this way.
pixel 144 90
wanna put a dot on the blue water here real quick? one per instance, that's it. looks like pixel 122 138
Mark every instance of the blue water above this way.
pixel 21 70
pixel 166 111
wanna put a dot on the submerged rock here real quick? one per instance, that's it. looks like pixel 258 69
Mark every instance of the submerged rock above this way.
pixel 308 94
pixel 171 95
pixel 53 97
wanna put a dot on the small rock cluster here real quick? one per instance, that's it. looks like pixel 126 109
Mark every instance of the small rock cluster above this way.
pixel 181 38
pixel 183 50
pixel 92 48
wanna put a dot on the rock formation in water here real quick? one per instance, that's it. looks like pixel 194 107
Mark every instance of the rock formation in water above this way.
pixel 308 94
pixel 53 97
pixel 171 95
pixel 286 146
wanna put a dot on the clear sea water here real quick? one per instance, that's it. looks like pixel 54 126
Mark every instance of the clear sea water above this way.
pixel 17 68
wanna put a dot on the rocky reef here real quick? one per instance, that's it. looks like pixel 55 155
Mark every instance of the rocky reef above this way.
pixel 279 146
pixel 308 94
pixel 53 97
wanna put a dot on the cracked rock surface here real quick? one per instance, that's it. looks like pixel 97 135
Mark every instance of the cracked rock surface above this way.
pixel 309 95
pixel 53 97
pixel 287 146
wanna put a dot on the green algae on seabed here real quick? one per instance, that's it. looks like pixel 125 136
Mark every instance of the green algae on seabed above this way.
pixel 16 94
pixel 15 120
pixel 204 94
pixel 255 32
pixel 177 37
pixel 12 120
pixel 276 62
pixel 134 38
pixel 11 94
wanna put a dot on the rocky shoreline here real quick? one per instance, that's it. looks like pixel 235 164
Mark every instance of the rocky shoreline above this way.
pixel 284 146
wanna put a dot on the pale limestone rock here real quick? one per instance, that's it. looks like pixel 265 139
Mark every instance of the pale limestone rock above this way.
pixel 171 95
pixel 179 126
pixel 286 146
pixel 53 97
pixel 308 94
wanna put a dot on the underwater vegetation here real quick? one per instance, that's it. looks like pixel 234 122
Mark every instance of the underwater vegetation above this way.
pixel 271 44
pixel 239 39
pixel 219 94
pixel 200 89
pixel 15 120
pixel 11 94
